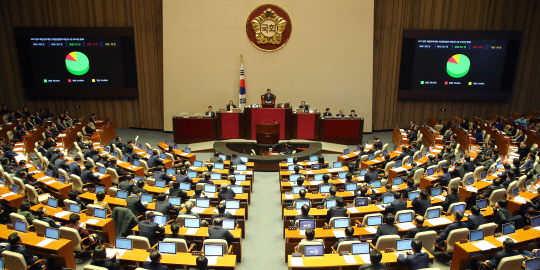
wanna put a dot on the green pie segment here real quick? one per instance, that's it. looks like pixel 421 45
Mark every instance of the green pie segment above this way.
pixel 77 63
pixel 458 65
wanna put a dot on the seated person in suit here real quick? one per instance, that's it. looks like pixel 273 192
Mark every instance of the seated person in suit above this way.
pixel 415 168
pixel 528 164
pixel 235 160
pixel 217 232
pixel 210 112
pixel 149 229
pixel 469 165
pixel 230 106
pixel 302 194
pixel 304 106
pixel 183 177
pixel 135 204
pixel 375 258
pixel 419 223
pixel 222 213
pixel 226 193
pixel 475 219
pixel 165 207
pixel 445 178
pixel 159 174
pixel 188 206
pixel 305 214
pixel 89 130
pixel 24 210
pixel 331 195
pixel 154 160
pixel 310 237
pixel 362 192
pixel 413 134
pixel 43 215
pixel 327 112
pixel 198 193
pixel 100 259
pixel 388 228
pixel 339 210
pixel 508 251
pixel 353 114
pixel 421 203
pixel 175 191
pixel 81 144
pixel 215 158
pixel 457 224
pixel 74 196
pixel 139 187
pixel 83 232
pixel 415 259
pixel 15 245
pixel 325 178
pixel 403 153
pixel 341 114
pixel 202 262
pixel 206 179
pixel 127 184
pixel 100 196
pixel 268 97
pixel 451 198
pixel 431 162
pixel 388 188
pixel 19 133
pixel 371 174
pixel 349 232
pixel 397 205
pixel 154 263
pixel 520 137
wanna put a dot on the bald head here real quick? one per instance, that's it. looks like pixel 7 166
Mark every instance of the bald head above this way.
pixel 419 220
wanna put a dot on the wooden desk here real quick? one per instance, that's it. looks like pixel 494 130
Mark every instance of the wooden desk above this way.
pixel 465 253
pixel 183 155
pixel 285 174
pixel 61 250
pixel 178 259
pixel 166 162
pixel 4 130
pixel 202 233
pixel 13 200
pixel 345 131
pixel 104 136
pixel 106 226
pixel 70 138
pixel 57 189
pixel 31 138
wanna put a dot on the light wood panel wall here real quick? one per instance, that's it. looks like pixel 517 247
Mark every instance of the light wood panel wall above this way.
pixel 392 16
pixel 145 16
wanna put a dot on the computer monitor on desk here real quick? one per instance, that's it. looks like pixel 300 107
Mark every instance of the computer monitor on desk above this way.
pixel 508 228
pixel 403 244
pixel 123 243
pixel 359 202
pixel 476 235
pixel 360 248
pixel 433 213
pixel 305 224
pixel 405 217
pixel 313 250
pixel 532 264
pixel 167 247
pixel 374 221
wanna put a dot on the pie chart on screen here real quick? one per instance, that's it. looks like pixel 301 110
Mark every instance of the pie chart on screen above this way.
pixel 77 63
pixel 458 65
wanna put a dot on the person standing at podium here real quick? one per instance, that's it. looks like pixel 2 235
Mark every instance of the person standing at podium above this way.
pixel 230 106
pixel 304 106
pixel 269 97
pixel 210 112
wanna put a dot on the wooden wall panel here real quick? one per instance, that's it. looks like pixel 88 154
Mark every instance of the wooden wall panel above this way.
pixel 145 16
pixel 392 16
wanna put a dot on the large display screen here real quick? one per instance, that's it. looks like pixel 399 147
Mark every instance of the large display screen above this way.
pixel 456 64
pixel 91 62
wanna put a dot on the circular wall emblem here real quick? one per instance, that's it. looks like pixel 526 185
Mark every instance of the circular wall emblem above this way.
pixel 268 27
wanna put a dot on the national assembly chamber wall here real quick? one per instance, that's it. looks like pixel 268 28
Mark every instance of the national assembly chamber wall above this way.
pixel 390 18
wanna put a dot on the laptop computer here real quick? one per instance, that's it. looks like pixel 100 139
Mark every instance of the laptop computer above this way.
pixel 318 177
pixel 476 235
pixel 176 201
pixel 210 188
pixel 161 220
pixel 363 172
pixel 350 187
pixel 52 233
pixel 300 203
pixel 532 264
pixel 241 167
pixel 316 166
pixel 388 199
pixel 52 202
pixel 515 191
pixel 324 188
pixel 20 226
pixel 313 250
pixel 62 179
pixel 192 222
pixel 170 171
pixel 244 159
pixel 403 244
pixel 296 189
pixel 123 243
pixel 147 198
pixel 337 164
pixel 359 202
pixel 202 202
pixel 342 175
pixel 436 191
pixel 237 189
pixel 313 158
pixel 433 213
pixel 100 188
pixel 305 224
pixel 371 157
pixel 100 213
pixel 219 166
pixel 399 163
pixel 482 203
pixel 121 194
pixel 232 204
pixel 405 217
pixel 187 150
pixel 360 248
pixel 192 174
pixel 374 221
pixel 396 181
pixel 430 171
pixel 161 183
pixel 459 207
pixel 15 189
pixel 413 195
pixel 508 228
pixel 376 184
pixel 228 224
pixel 294 177
pixel 213 250
pixel 136 163
pixel 329 203
pixel 223 157
pixel 197 163
pixel 215 176
pixel 240 177
pixel 74 208
pixel 290 159
pixel 346 151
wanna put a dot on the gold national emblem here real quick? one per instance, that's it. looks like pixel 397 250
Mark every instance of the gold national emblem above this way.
pixel 269 27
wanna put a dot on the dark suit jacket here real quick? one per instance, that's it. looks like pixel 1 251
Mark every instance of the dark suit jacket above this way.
pixel 412 171
pixel 74 168
pixel 164 207
pixel 490 190
pixel 444 234
pixel 135 205
pixel 212 114
pixel 469 166
pixel 154 266
pixel 369 266
pixel 459 172
pixel 385 229
pixel 236 161
pixel 184 178
pixel 153 161
pixel 50 222
pixel 216 232
pixel 501 216
pixel 302 217
pixel 474 221
pixel 501 255
pixel 126 185
pixel 159 175
pixel 336 211
pixel 229 107
pixel 327 114
pixel 450 199
pixel 42 150
pixel 413 136
pixel 395 206
pixel 371 176
pixel 527 165
pixel 177 193
pixel 401 156
pixel 87 176
pixel 149 229
pixel 444 179
pixel 412 233
pixel 345 239
pixel 523 152
pixel 89 130
pixel 409 189
pixel 421 205
pixel 415 261
pixel 28 257
pixel 228 194
pixel 268 98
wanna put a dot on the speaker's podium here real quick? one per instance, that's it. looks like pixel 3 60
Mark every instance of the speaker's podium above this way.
pixel 268 105
pixel 267 133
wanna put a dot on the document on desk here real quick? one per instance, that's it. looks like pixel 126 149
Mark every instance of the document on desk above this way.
pixel 343 181
pixel 297 261
pixel 302 232
pixel 371 230
pixel 7 194
pixel 192 230
pixel 92 221
pixel 110 251
pixel 436 151
pixel 484 245
pixel 315 182
pixel 247 172
pixel 439 221
pixel 309 172
pixel 61 214
pixel 504 237
pixel 197 210
pixel 400 169
pixel 339 234
pixel 406 226
pixel 441 197
pixel 365 258
pixel 210 195
pixel 232 211
pixel 212 260
pixel 184 154
pixel 519 199
pixel 43 178
pixel 289 196
pixel 381 206
pixel 349 259
pixel 50 182
pixel 472 189
pixel 353 210
pixel 44 242
pixel 344 156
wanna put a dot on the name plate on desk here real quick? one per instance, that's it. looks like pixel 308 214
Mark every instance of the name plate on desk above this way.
pixel 360 225
pixel 292 228
pixel 290 208
pixel 527 227
pixel 10 227
pixel 320 206
pixel 389 250
pixel 149 249
pixel 40 234
pixel 463 241
pixel 315 192
pixel 343 253
pixel 196 253
pixel 108 245
pixel 327 227
pixel 297 255
pixel 284 180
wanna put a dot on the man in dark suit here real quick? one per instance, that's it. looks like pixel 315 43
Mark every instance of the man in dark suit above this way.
pixel 487 162
pixel 127 184
pixel 54 156
pixel 528 164
pixel 222 206
pixel 37 119
pixel 377 144
pixel 41 149
pixel 235 160
pixel 415 259
pixel 93 118
pixel 4 110
pixel 457 224
pixel 59 125
pixel 154 160
pixel 353 114
pixel 91 153
pixel 19 133
pixel 419 223
pixel 362 192
pixel 459 170
pixel 165 207
pixel 149 229
pixel 75 167
pixel 217 232
pixel 175 191
pixel 268 97
pixel 159 174
pixel 504 174
pixel 327 112
pixel 337 211
pixel 386 229
pixel 182 177
pixel 15 245
pixel 508 246
pixel 520 137
pixel 135 205
pixel 445 178
pixel 230 106
pixel 331 195
pixel 431 162
pixel 48 132
pixel 210 112
pixel 413 170
pixel 89 130
pixel 28 125
pixel 304 106
pixel 60 162
pixel 412 149
pixel 450 134
pixel 397 205
pixel 349 232
pixel 121 174
pixel 421 203
pixel 388 191
pixel 371 174
pixel 501 213
pixel 375 258
pixel 305 214
pixel 226 193
pixel 410 187
pixel 215 158
pixel 496 185
pixel 340 114
pixel 403 153
pixel 154 263
pixel 413 134
pixel 469 165
pixel 43 215
pixel 412 125
pixel 451 198
pixel 87 175
pixel 475 219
